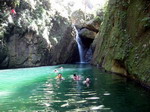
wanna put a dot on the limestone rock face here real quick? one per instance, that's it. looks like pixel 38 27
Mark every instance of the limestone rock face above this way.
pixel 30 36
pixel 27 50
pixel 3 54
pixel 66 50
pixel 123 44
pixel 94 43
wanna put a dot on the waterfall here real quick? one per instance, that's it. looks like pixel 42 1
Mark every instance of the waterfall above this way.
pixel 80 46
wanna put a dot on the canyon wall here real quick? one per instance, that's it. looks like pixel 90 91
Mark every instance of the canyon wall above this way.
pixel 123 42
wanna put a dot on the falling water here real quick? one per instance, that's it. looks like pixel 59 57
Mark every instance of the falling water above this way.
pixel 80 46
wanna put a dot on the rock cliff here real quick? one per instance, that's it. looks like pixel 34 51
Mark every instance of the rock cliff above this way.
pixel 28 37
pixel 66 51
pixel 123 44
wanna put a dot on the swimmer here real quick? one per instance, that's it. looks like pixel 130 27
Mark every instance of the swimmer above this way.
pixel 61 68
pixel 87 82
pixel 76 77
pixel 59 76
pixel 56 71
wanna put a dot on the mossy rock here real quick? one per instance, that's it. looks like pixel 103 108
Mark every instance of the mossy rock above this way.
pixel 125 36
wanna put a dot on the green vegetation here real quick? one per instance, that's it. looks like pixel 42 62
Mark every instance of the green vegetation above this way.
pixel 124 39
pixel 9 3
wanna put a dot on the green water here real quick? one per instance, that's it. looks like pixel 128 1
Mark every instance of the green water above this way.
pixel 37 90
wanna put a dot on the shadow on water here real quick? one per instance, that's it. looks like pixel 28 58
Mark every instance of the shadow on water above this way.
pixel 121 94
pixel 106 93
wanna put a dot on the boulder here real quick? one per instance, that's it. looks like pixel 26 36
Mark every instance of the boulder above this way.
pixel 90 28
pixel 86 33
pixel 92 25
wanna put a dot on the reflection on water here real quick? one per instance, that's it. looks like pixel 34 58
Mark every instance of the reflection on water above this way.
pixel 36 89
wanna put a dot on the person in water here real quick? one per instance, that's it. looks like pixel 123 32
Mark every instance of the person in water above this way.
pixel 76 77
pixel 56 71
pixel 87 82
pixel 59 76
pixel 61 68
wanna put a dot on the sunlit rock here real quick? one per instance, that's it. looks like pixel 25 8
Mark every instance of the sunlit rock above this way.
pixel 85 33
pixel 78 17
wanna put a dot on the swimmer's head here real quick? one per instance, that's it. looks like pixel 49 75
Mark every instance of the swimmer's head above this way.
pixel 60 74
pixel 74 75
pixel 87 79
